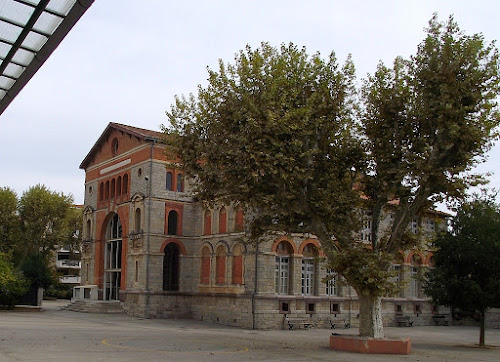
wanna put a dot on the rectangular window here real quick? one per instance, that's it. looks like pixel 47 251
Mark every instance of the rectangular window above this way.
pixel 399 309
pixel 414 226
pixel 414 282
pixel 334 308
pixel 397 278
pixel 417 309
pixel 366 231
pixel 311 307
pixel 430 226
pixel 284 307
pixel 308 276
pixel 331 283
pixel 281 274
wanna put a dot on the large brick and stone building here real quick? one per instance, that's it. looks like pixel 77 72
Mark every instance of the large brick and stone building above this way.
pixel 150 245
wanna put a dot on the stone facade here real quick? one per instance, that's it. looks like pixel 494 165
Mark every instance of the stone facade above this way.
pixel 148 244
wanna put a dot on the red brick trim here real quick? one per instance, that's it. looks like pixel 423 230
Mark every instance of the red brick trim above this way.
pixel 284 238
pixel 182 248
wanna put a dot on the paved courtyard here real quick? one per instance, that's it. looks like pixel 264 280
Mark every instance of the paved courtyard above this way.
pixel 57 335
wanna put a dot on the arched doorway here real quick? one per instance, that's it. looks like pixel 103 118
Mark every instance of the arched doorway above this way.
pixel 171 267
pixel 113 259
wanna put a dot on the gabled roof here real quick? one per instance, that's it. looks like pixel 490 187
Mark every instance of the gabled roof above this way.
pixel 30 30
pixel 141 133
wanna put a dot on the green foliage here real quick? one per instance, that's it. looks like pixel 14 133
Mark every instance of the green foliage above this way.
pixel 467 272
pixel 9 220
pixel 12 284
pixel 44 219
pixel 35 267
pixel 274 133
pixel 73 224
pixel 280 133
pixel 427 122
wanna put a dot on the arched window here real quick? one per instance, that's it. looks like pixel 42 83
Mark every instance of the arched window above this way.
pixel 220 265
pixel 309 269
pixel 113 259
pixel 282 267
pixel 173 218
pixel 137 220
pixel 205 265
pixel 125 184
pixel 237 272
pixel 119 186
pixel 113 187
pixel 88 230
pixel 222 221
pixel 101 191
pixel 171 267
pixel 170 184
pixel 180 183
pixel 239 220
pixel 207 229
pixel 106 191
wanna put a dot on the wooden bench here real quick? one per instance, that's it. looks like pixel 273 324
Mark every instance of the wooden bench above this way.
pixel 342 322
pixel 439 319
pixel 404 321
pixel 297 322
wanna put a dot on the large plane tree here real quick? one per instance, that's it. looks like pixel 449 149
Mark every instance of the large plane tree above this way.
pixel 282 134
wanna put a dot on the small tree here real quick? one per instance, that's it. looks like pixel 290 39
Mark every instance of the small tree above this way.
pixel 12 284
pixel 73 227
pixel 35 267
pixel 9 220
pixel 467 269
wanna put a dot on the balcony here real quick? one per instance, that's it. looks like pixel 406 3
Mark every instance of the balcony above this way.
pixel 69 279
pixel 68 264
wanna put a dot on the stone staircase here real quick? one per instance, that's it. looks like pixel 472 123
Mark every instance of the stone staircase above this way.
pixel 95 306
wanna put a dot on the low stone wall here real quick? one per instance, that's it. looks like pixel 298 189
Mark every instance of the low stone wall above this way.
pixel 265 311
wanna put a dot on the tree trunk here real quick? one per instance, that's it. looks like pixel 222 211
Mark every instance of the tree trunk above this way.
pixel 481 329
pixel 370 316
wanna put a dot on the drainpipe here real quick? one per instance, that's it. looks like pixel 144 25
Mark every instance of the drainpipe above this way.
pixel 148 231
pixel 255 285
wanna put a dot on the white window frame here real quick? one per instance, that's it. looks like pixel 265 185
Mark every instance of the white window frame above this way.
pixel 414 225
pixel 282 273
pixel 331 283
pixel 430 225
pixel 367 223
pixel 414 282
pixel 308 270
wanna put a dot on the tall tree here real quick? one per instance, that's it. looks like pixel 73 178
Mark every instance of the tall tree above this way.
pixel 9 220
pixel 276 133
pixel 44 219
pixel 427 122
pixel 467 272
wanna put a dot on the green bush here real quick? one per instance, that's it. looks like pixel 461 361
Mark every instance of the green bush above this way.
pixel 12 284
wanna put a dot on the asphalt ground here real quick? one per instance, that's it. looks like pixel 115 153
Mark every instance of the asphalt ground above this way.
pixel 58 335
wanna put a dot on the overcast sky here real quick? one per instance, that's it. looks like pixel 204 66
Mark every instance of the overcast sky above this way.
pixel 125 60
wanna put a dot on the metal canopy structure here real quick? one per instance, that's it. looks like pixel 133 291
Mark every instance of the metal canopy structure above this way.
pixel 30 30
